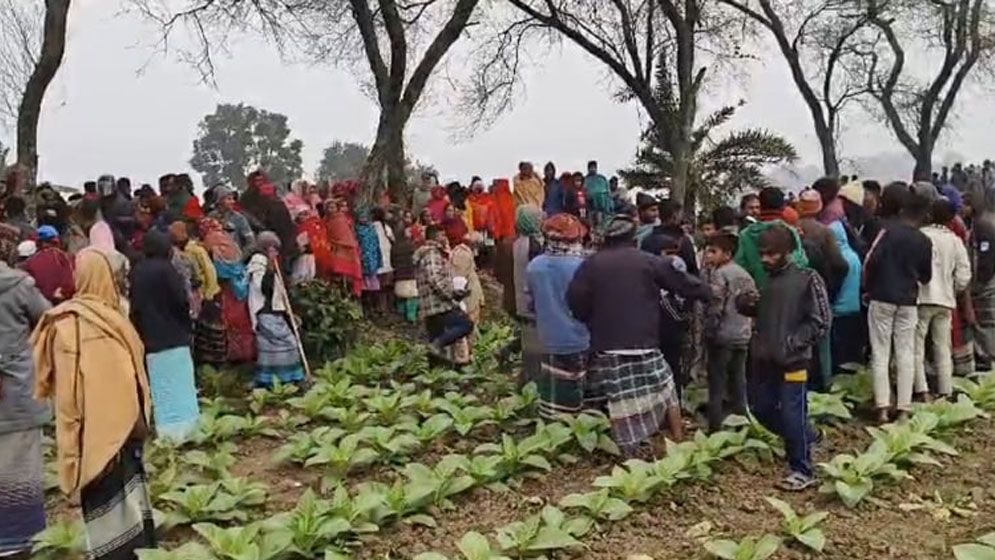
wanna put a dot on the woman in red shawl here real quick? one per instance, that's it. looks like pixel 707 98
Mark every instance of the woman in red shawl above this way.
pixel 438 204
pixel 343 246
pixel 317 235
pixel 455 226
pixel 224 330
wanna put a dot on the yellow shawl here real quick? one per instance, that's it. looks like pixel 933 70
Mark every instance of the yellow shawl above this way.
pixel 100 395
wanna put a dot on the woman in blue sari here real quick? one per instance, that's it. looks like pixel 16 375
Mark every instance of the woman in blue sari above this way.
pixel 279 354
pixel 160 310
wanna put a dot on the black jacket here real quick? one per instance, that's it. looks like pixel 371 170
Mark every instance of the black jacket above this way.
pixel 616 293
pixel 159 305
pixel 901 259
pixel 793 314
pixel 685 245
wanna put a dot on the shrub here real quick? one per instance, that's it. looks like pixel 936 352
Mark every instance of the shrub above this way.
pixel 330 321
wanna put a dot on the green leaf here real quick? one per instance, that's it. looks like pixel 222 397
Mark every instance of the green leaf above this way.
pixel 722 548
pixel 537 461
pixel 988 539
pixel 852 494
pixel 421 519
pixel 813 538
pixel 767 546
pixel 474 546
pixel 784 507
pixel 430 556
pixel 550 538
pixel 973 551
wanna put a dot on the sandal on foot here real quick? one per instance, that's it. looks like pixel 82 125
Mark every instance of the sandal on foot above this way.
pixel 796 482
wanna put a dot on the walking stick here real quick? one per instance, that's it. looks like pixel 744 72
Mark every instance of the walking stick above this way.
pixel 293 322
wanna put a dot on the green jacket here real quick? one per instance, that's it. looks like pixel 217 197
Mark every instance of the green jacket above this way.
pixel 748 252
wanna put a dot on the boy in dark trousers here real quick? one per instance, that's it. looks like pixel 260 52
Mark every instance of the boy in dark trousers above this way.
pixel 726 331
pixel 792 315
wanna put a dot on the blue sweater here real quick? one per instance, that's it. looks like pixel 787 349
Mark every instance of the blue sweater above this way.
pixel 548 279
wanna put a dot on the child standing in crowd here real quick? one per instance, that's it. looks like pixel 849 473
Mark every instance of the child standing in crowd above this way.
pixel 370 256
pixel 385 241
pixel 938 299
pixel 726 331
pixel 900 260
pixel 792 314
pixel 405 288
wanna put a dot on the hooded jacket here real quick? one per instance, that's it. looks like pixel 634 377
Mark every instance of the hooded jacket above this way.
pixel 847 301
pixel 21 307
pixel 792 315
pixel 748 251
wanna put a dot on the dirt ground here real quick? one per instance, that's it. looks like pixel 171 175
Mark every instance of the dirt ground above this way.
pixel 911 520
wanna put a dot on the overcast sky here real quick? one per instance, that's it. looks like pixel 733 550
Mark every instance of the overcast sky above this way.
pixel 103 116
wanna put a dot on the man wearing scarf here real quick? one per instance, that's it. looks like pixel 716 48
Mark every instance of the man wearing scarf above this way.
pixel 564 339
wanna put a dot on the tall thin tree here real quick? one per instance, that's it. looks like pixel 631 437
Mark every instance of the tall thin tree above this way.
pixel 402 43
pixel 32 47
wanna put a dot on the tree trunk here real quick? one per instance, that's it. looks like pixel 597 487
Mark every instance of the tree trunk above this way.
pixel 923 170
pixel 53 48
pixel 384 169
pixel 830 163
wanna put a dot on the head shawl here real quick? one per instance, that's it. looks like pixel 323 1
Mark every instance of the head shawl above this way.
pixel 809 203
pixel 267 240
pixel 528 220
pixel 564 227
pixel 95 279
pixel 101 237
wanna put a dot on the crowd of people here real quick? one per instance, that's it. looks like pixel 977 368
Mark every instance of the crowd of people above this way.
pixel 620 304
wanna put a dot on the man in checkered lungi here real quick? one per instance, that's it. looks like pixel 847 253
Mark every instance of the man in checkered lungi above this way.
pixel 616 293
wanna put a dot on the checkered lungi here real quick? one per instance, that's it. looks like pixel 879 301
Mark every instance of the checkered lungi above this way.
pixel 636 390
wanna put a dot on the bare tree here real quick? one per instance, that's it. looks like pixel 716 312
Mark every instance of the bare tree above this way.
pixel 401 42
pixel 814 37
pixel 631 39
pixel 962 32
pixel 32 46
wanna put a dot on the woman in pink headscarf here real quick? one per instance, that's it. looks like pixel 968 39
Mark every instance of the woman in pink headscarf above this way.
pixel 102 239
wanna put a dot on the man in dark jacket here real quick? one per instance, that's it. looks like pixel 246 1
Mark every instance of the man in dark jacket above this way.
pixel 899 261
pixel 792 315
pixel 616 293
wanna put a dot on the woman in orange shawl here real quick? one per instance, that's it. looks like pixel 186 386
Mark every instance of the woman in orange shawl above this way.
pixel 317 235
pixel 344 247
pixel 503 228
